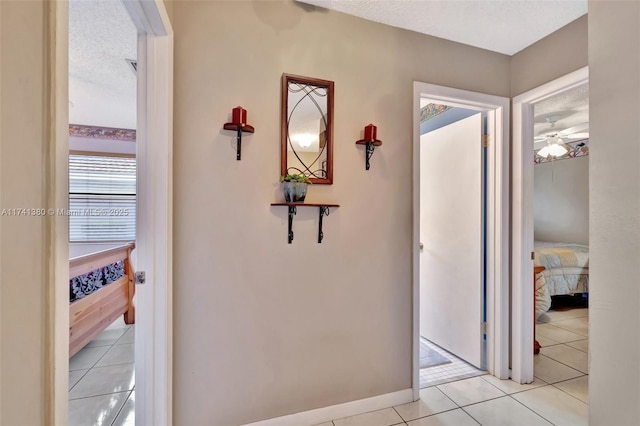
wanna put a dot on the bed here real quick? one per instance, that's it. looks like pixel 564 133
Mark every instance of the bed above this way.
pixel 101 288
pixel 566 267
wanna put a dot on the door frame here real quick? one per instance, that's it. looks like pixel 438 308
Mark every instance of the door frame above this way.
pixel 154 329
pixel 522 219
pixel 497 109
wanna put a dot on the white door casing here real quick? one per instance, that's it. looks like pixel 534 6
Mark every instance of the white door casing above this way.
pixel 497 109
pixel 451 235
pixel 522 222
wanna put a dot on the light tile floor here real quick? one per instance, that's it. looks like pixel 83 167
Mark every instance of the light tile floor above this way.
pixel 558 396
pixel 101 379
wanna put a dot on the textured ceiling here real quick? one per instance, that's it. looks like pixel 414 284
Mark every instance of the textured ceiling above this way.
pixel 569 111
pixel 504 26
pixel 102 86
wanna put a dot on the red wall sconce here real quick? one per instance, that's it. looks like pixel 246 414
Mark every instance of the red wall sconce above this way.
pixel 239 124
pixel 370 141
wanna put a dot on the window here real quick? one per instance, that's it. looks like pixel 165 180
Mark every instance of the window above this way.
pixel 102 198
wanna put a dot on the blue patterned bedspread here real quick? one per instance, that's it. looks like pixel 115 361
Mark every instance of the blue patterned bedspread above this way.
pixel 83 285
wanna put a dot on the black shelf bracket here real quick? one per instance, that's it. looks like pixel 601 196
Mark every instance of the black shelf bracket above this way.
pixel 324 211
pixel 292 212
pixel 239 144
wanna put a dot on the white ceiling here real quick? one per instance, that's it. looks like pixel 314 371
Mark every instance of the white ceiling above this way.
pixel 566 113
pixel 504 26
pixel 102 86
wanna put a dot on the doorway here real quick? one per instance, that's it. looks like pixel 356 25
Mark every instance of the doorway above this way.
pixel 496 325
pixel 153 303
pixel 523 218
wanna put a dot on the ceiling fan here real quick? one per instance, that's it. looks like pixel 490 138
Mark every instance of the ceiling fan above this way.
pixel 553 143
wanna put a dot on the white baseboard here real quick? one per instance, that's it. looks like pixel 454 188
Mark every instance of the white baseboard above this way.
pixel 325 414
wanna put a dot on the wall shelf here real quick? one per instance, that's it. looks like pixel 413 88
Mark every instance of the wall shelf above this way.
pixel 323 210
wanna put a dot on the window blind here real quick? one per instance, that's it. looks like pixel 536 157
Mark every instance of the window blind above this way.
pixel 102 198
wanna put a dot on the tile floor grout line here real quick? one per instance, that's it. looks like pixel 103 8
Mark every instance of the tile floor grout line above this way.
pixel 566 365
pixel 532 410
pixel 100 394
pixel 121 408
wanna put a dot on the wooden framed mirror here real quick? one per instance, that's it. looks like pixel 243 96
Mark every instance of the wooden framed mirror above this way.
pixel 307 128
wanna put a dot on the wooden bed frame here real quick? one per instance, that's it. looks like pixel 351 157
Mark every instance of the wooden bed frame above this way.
pixel 90 315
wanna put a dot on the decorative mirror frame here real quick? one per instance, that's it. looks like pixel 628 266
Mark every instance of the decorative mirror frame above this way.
pixel 284 124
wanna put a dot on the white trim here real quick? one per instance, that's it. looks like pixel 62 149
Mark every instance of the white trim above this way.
pixel 154 320
pixel 497 222
pixel 57 330
pixel 326 414
pixel 522 225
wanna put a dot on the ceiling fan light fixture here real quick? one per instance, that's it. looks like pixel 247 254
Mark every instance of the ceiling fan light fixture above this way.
pixel 555 148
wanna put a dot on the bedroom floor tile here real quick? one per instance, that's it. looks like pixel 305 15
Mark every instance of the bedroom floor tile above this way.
pixel 104 380
pixel 569 356
pixel 582 345
pixel 107 337
pixel 127 416
pixel 98 410
pixel 503 412
pixel 552 371
pixel 128 337
pixel 578 388
pixel 563 314
pixel 545 341
pixel 118 354
pixel 87 357
pixel 75 376
pixel 558 334
pixel 556 406
pixel 575 325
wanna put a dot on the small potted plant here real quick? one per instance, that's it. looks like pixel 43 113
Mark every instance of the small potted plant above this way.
pixel 294 187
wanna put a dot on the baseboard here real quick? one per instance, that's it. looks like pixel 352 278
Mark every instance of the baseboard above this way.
pixel 347 409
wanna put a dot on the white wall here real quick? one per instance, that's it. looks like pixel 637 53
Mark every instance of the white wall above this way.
pixel 561 201
pixel 614 127
pixel 256 334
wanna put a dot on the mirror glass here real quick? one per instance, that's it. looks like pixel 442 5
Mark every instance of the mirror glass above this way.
pixel 307 128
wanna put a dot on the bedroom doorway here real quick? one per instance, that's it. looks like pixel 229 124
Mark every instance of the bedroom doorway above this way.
pixel 487 324
pixel 153 342
pixel 553 114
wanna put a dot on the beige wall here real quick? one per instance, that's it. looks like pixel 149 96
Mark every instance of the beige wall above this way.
pixel 561 201
pixel 556 55
pixel 614 317
pixel 263 328
pixel 22 185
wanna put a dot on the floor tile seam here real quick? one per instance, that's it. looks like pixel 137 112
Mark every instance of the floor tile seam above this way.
pixel 568 341
pixel 113 365
pixel 78 381
pixel 469 414
pixel 572 331
pixel 101 394
pixel 544 383
pixel 457 407
pixel 99 359
pixel 566 365
pixel 121 408
pixel 531 409
pixel 572 396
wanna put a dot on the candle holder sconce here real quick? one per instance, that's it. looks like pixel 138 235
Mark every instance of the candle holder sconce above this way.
pixel 370 141
pixel 239 125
